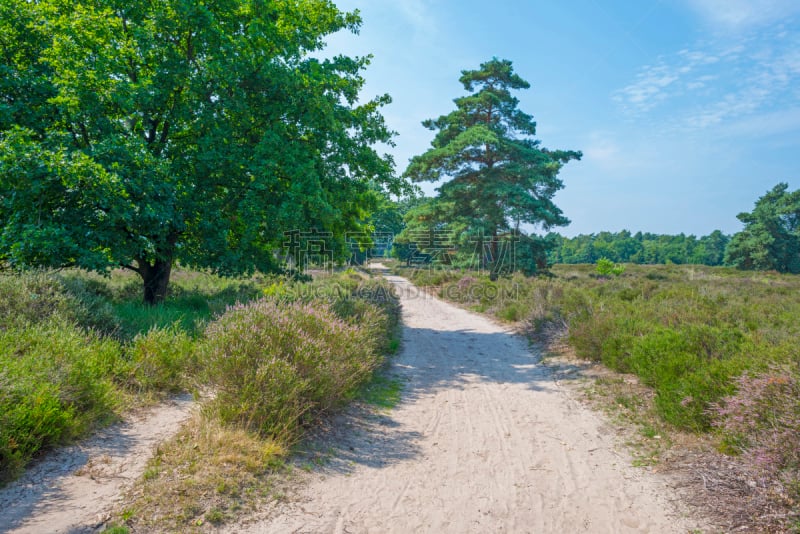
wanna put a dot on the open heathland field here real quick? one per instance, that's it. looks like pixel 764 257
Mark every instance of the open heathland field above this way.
pixel 266 357
pixel 716 349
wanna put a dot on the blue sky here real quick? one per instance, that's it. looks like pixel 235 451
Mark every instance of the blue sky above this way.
pixel 686 110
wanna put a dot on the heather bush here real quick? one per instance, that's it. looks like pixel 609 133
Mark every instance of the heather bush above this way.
pixel 55 384
pixel 272 363
pixel 761 421
pixel 90 302
pixel 75 345
pixel 369 303
pixel 32 297
pixel 374 306
pixel 434 277
pixel 161 360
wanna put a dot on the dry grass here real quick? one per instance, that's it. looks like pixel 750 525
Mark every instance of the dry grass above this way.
pixel 725 488
pixel 208 474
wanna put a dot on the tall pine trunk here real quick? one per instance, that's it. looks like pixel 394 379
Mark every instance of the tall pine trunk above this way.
pixel 495 266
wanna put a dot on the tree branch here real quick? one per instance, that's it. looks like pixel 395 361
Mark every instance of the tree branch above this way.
pixel 85 135
pixel 130 268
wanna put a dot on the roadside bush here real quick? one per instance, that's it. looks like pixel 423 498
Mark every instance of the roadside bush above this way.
pixel 761 421
pixel 34 297
pixel 90 302
pixel 55 383
pixel 433 277
pixel 31 298
pixel 374 307
pixel 161 360
pixel 273 363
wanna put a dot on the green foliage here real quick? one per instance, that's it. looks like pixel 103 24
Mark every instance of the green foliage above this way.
pixel 162 360
pixel 606 267
pixel 499 174
pixel 31 298
pixel 55 383
pixel 771 236
pixel 68 358
pixel 75 347
pixel 139 134
pixel 641 248
pixel 272 363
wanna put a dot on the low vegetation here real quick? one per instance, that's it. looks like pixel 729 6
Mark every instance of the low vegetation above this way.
pixel 77 350
pixel 718 348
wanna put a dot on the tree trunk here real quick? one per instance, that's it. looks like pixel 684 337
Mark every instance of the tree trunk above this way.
pixel 495 269
pixel 155 279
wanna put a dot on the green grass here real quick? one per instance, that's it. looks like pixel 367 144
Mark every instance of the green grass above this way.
pixel 56 384
pixel 76 348
pixel 382 391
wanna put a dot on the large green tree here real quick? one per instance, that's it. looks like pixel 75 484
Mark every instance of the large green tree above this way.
pixel 136 134
pixel 498 176
pixel 770 239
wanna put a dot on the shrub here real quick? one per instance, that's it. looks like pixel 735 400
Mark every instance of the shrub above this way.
pixel 434 277
pixel 55 383
pixel 375 307
pixel 90 302
pixel 272 363
pixel 761 421
pixel 606 267
pixel 161 360
pixel 30 298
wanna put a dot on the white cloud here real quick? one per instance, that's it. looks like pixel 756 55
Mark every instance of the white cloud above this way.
pixel 601 149
pixel 657 83
pixel 737 15
pixel 713 84
pixel 650 88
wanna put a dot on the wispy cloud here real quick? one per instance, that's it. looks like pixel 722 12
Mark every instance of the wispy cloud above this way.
pixel 687 71
pixel 737 15
pixel 775 123
pixel 601 148
pixel 711 84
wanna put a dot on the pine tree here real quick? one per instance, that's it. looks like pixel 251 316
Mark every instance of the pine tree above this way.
pixel 499 174
pixel 771 235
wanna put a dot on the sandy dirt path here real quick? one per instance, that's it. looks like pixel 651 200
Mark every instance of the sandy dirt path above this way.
pixel 73 489
pixel 484 440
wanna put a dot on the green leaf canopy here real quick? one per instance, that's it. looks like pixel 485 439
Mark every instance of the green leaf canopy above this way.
pixel 137 133
pixel 497 175
pixel 770 239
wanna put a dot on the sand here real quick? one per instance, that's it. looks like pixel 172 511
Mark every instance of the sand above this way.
pixel 483 440
pixel 73 490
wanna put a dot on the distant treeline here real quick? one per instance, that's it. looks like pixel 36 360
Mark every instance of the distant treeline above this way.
pixel 646 248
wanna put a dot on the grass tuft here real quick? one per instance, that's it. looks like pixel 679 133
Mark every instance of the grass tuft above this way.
pixel 208 472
